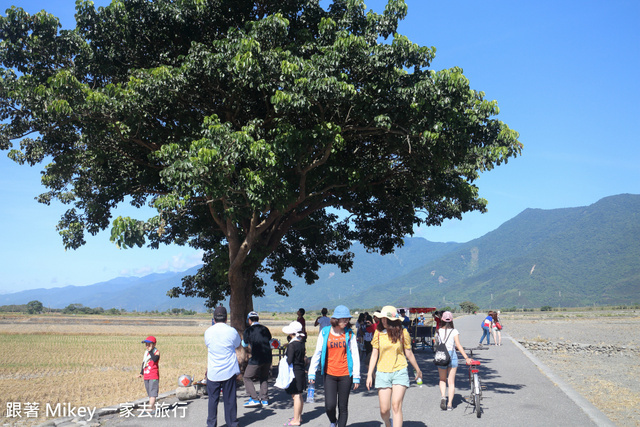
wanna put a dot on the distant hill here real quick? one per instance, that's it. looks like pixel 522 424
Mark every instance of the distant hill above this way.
pixel 369 269
pixel 560 257
pixel 148 293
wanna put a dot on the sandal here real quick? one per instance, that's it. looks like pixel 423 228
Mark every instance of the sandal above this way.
pixel 288 423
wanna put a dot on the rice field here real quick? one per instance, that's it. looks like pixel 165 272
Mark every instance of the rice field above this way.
pixel 95 361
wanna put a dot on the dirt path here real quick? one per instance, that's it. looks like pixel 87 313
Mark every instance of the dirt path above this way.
pixel 597 353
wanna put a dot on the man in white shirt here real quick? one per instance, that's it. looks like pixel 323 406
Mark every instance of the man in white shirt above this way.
pixel 222 368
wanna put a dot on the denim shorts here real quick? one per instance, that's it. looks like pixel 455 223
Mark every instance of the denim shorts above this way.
pixel 389 379
pixel 454 360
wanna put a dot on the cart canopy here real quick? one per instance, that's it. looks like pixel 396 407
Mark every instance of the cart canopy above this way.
pixel 414 310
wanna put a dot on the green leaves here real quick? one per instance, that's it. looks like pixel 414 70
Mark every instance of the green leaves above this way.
pixel 127 232
pixel 71 228
pixel 242 125
pixel 327 26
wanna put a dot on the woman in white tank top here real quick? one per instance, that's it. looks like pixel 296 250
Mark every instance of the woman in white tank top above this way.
pixel 448 335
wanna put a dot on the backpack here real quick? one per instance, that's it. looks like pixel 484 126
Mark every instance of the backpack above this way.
pixel 442 357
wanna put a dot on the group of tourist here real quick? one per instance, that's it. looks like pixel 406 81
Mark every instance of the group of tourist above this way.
pixel 491 326
pixel 336 357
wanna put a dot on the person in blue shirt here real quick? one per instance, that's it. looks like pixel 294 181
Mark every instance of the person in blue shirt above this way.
pixel 406 322
pixel 486 325
pixel 323 321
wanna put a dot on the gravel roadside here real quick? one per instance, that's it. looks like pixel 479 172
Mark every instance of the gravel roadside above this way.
pixel 596 352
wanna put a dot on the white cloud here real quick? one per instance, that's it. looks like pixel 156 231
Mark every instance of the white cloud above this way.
pixel 143 271
pixel 180 262
pixel 175 263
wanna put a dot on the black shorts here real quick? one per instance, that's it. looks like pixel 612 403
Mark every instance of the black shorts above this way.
pixel 299 383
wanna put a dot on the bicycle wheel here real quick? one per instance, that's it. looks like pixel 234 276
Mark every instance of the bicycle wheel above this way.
pixel 477 389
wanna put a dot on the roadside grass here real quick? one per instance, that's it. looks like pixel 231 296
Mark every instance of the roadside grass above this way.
pixel 621 402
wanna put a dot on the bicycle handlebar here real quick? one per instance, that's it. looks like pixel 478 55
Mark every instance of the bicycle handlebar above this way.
pixel 475 348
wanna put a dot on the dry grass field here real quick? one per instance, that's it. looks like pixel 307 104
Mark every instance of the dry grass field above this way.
pixel 94 361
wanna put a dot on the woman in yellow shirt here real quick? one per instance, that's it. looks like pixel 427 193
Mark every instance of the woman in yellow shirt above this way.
pixel 391 349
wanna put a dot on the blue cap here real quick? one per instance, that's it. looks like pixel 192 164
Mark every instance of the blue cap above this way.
pixel 341 312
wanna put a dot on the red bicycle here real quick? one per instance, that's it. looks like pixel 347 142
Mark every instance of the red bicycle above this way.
pixel 476 387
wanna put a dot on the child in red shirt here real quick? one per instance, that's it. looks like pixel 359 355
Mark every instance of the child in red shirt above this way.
pixel 150 370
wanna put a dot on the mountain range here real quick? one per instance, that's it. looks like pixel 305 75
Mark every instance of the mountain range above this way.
pixel 561 257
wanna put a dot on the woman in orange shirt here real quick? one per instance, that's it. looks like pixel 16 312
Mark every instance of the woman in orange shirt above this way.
pixel 337 355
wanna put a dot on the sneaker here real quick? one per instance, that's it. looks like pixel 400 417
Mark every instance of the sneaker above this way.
pixel 449 408
pixel 443 403
pixel 252 403
pixel 332 425
pixel 265 403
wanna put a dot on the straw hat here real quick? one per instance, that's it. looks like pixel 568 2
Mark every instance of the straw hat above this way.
pixel 389 312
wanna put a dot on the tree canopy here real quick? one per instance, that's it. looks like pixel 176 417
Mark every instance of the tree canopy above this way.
pixel 469 307
pixel 34 307
pixel 250 126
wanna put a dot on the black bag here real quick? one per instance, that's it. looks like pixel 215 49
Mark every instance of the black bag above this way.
pixel 442 357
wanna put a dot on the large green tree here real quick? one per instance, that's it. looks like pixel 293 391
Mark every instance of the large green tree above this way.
pixel 34 307
pixel 247 125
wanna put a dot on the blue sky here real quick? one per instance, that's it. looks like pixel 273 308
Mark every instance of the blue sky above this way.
pixel 564 74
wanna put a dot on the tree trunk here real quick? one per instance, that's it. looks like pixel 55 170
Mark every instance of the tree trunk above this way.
pixel 240 300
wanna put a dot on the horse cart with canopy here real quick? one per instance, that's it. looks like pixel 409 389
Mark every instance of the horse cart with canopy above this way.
pixel 422 327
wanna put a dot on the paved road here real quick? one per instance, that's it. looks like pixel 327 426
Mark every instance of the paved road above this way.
pixel 518 392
